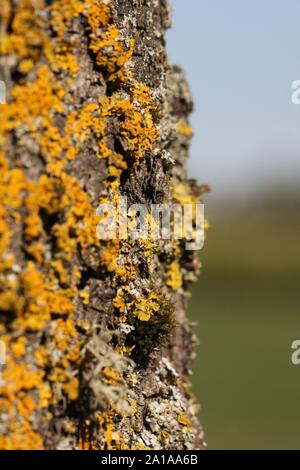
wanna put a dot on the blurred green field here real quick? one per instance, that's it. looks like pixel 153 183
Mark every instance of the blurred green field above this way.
pixel 247 305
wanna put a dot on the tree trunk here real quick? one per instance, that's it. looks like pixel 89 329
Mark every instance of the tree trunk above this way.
pixel 98 345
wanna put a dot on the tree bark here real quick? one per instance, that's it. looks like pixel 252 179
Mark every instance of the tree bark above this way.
pixel 98 345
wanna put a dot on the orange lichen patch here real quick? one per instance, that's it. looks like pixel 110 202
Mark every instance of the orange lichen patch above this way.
pixel 60 52
pixel 63 13
pixel 60 302
pixel 109 254
pixel 31 103
pixel 67 345
pixel 116 167
pixel 26 406
pixel 85 437
pixel 143 307
pixel 146 306
pixel 64 332
pixel 46 194
pixel 71 388
pixel 41 301
pixel 9 300
pixel 45 395
pixel 18 378
pixel 41 356
pixel 126 272
pixel 85 296
pixel 174 275
pixel 150 247
pixel 21 437
pixel 64 59
pixel 25 66
pixel 60 271
pixel 6 259
pixel 111 376
pixel 81 124
pixel 112 62
pixel 182 193
pixel 137 126
pixel 18 401
pixel 184 420
pixel 33 226
pixel 119 301
pixel 18 348
pixel 184 129
pixel 113 438
pixel 110 51
pixel 79 229
pixel 41 298
pixel 11 183
pixel 5 12
pixel 27 38
pixel 141 93
pixel 124 350
pixel 98 13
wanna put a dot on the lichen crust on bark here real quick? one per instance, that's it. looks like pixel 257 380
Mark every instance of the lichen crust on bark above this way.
pixel 98 344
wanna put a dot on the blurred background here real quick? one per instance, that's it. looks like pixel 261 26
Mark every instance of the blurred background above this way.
pixel 241 58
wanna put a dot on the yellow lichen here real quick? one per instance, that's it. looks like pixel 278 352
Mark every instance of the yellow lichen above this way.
pixel 146 306
pixel 174 276
pixel 106 43
pixel 184 129
pixel 184 420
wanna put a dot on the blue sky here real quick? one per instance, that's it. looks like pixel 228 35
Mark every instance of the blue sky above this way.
pixel 240 58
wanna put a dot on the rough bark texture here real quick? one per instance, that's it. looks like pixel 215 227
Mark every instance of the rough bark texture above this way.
pixel 98 342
